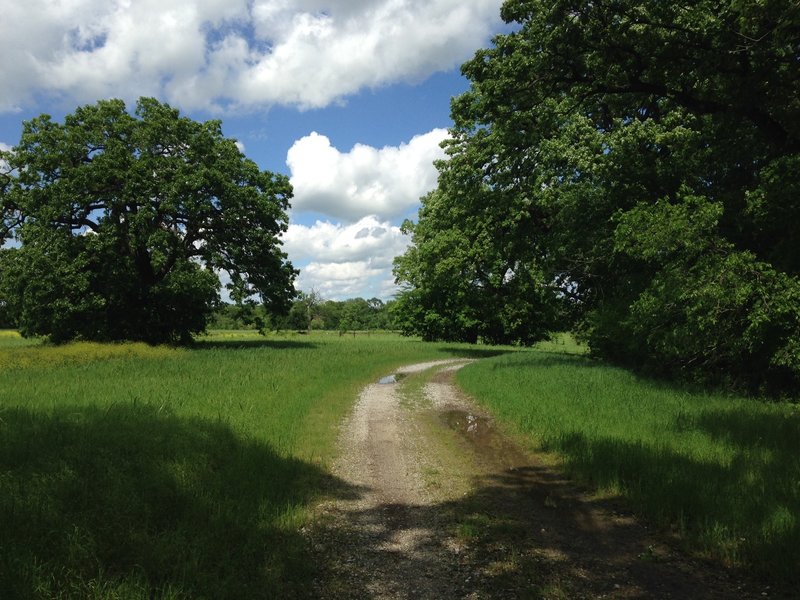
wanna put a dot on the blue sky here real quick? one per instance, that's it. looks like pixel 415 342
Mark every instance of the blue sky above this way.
pixel 350 98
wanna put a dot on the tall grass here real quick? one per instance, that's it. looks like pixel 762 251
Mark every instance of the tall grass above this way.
pixel 722 471
pixel 10 338
pixel 128 471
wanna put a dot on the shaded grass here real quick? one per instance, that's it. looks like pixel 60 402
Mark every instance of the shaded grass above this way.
pixel 129 501
pixel 128 471
pixel 723 472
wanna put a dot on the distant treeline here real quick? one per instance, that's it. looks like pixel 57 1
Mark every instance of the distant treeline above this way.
pixel 309 311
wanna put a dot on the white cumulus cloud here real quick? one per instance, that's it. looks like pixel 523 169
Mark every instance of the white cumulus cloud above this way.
pixel 240 53
pixel 340 281
pixel 4 166
pixel 342 261
pixel 349 185
pixel 369 239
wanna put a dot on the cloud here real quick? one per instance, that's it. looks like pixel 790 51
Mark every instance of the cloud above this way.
pixel 340 281
pixel 4 166
pixel 239 53
pixel 342 261
pixel 366 180
pixel 366 188
pixel 368 239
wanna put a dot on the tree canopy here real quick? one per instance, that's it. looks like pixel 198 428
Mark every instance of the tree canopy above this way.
pixel 123 221
pixel 638 159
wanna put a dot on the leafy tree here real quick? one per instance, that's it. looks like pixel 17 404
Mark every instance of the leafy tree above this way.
pixel 5 320
pixel 123 221
pixel 298 318
pixel 354 316
pixel 380 316
pixel 245 315
pixel 329 313
pixel 471 273
pixel 641 157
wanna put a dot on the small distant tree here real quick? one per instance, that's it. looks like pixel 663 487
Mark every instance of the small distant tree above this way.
pixel 330 313
pixel 123 221
pixel 298 318
pixel 352 316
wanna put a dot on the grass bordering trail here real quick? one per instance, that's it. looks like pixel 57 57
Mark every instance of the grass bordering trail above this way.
pixel 128 471
pixel 723 472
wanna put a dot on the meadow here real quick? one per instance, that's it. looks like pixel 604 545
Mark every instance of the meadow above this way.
pixel 721 473
pixel 131 471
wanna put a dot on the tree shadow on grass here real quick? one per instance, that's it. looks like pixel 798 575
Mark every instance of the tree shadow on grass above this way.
pixel 459 352
pixel 546 358
pixel 743 509
pixel 131 502
pixel 251 344
pixel 750 426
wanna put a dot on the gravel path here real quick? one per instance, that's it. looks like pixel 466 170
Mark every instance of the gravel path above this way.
pixel 444 506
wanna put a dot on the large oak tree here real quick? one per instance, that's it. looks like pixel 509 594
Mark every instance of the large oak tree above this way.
pixel 123 222
pixel 644 157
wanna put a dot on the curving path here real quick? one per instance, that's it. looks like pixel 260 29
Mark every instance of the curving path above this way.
pixel 445 506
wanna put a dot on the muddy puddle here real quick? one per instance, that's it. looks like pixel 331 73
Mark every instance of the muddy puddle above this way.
pixel 477 429
pixel 481 433
pixel 393 378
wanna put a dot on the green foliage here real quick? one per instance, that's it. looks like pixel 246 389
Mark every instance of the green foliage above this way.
pixel 298 318
pixel 721 471
pixel 470 274
pixel 123 221
pixel 635 159
pixel 310 311
pixel 247 315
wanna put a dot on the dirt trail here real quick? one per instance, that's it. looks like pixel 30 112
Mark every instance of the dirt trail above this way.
pixel 445 506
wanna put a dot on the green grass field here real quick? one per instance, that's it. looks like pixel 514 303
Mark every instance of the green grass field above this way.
pixel 724 472
pixel 130 471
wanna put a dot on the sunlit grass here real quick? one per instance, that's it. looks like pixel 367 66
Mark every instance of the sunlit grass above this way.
pixel 722 471
pixel 10 338
pixel 130 471
pixel 47 357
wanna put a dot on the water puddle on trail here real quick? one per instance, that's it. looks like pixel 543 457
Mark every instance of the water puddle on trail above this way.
pixel 477 429
pixel 481 433
pixel 393 378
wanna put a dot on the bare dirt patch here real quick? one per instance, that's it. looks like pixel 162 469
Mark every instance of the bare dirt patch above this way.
pixel 447 506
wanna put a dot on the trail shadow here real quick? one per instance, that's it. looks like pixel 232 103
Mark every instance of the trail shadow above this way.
pixel 130 502
pixel 250 344
pixel 523 533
